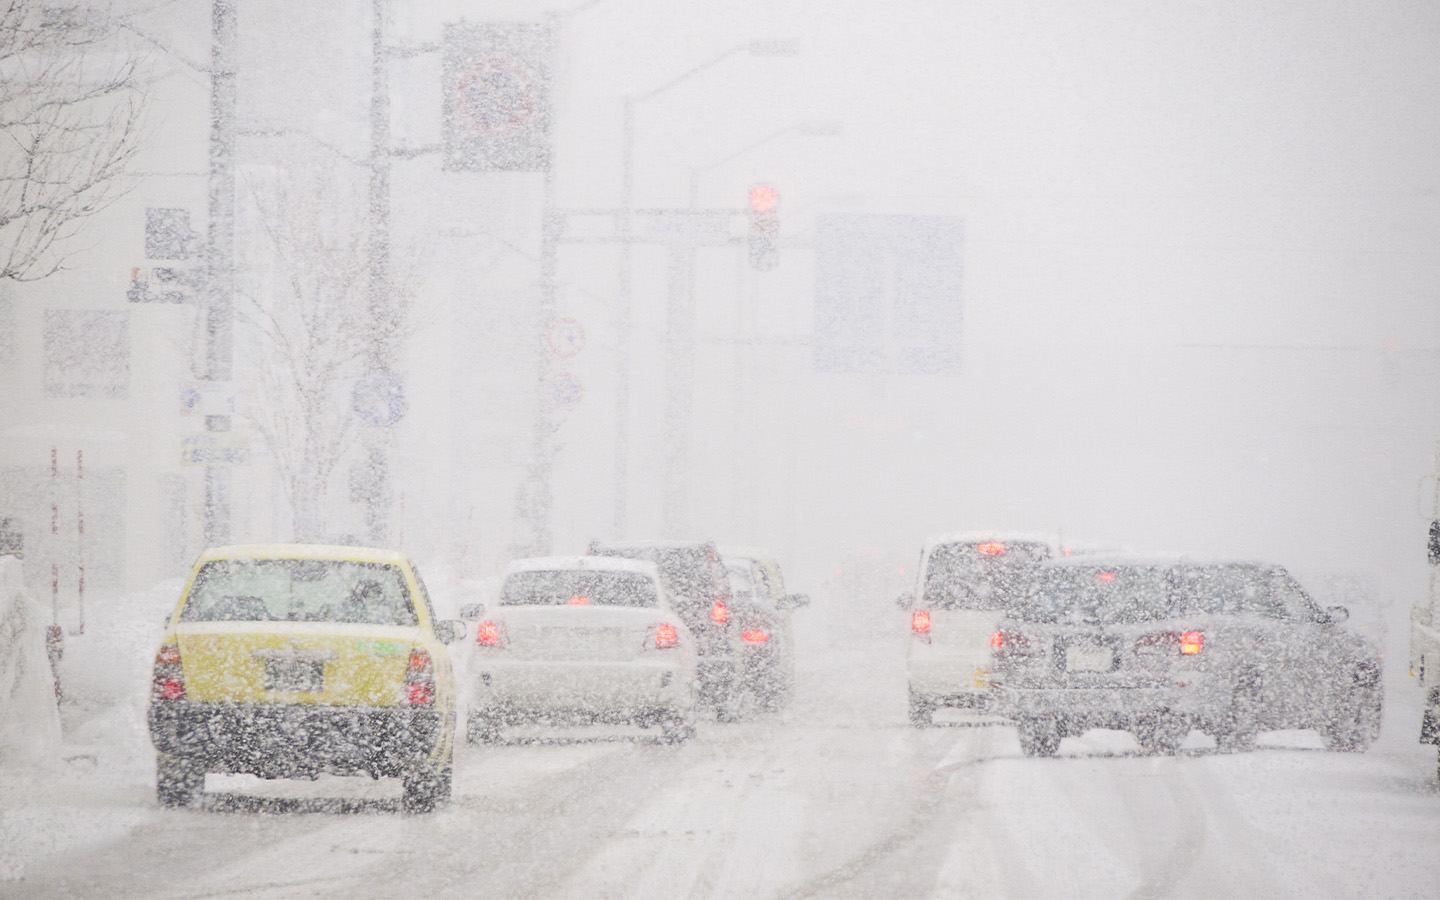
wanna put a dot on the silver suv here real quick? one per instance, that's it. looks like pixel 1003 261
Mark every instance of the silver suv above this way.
pixel 1159 648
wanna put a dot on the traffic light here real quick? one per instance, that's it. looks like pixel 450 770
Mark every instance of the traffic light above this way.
pixel 764 228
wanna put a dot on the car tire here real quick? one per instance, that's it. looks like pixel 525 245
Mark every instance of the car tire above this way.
pixel 1355 725
pixel 178 781
pixel 483 728
pixel 1241 723
pixel 677 728
pixel 1161 734
pixel 922 710
pixel 426 786
pixel 1038 737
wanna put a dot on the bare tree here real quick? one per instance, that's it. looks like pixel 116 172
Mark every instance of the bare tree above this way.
pixel 71 107
pixel 312 328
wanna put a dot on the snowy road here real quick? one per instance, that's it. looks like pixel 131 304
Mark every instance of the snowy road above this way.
pixel 838 798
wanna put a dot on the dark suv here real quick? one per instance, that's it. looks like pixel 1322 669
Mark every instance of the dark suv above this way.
pixel 695 580
pixel 1159 648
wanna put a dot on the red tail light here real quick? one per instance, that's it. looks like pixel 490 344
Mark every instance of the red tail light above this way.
pixel 1189 642
pixel 169 679
pixel 488 634
pixel 666 637
pixel 719 614
pixel 991 548
pixel 419 686
pixel 920 621
pixel 579 601
pixel 997 640
pixel 1105 576
pixel 755 635
pixel 1192 642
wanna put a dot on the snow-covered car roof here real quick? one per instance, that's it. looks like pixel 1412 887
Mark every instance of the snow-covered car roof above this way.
pixel 1108 560
pixel 998 536
pixel 591 563
pixel 663 543
pixel 754 553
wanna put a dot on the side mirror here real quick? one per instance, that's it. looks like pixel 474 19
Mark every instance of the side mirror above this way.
pixel 449 630
pixel 792 601
pixel 905 601
pixel 1435 543
pixel 472 610
pixel 1336 615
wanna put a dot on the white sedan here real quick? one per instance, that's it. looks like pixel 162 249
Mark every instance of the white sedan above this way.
pixel 578 641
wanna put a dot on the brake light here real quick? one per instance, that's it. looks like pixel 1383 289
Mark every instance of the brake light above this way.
pixel 488 634
pixel 920 621
pixel 579 601
pixel 1192 642
pixel 718 613
pixel 755 635
pixel 419 686
pixel 997 640
pixel 1105 576
pixel 169 679
pixel 992 548
pixel 666 637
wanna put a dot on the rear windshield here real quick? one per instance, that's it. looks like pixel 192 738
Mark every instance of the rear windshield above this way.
pixel 686 572
pixel 299 590
pixel 563 587
pixel 1098 595
pixel 981 575
pixel 1227 589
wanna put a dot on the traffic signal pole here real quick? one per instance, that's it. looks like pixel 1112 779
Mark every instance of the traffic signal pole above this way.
pixel 220 255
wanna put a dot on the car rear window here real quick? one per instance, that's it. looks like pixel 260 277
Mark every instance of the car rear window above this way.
pixel 561 587
pixel 299 590
pixel 1098 595
pixel 986 575
pixel 686 572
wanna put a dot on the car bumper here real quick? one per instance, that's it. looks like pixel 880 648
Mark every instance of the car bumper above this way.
pixel 275 741
pixel 563 690
pixel 953 682
pixel 1101 707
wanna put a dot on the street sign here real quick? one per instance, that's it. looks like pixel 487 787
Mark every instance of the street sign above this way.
pixel 379 399
pixel 497 97
pixel 566 391
pixel 887 294
pixel 222 449
pixel 566 338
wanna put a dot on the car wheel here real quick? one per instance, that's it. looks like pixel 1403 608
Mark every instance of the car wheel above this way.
pixel 1355 725
pixel 1161 734
pixel 426 786
pixel 178 781
pixel 922 710
pixel 677 728
pixel 1241 723
pixel 1038 737
pixel 483 728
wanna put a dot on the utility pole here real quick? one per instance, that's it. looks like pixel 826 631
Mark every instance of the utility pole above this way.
pixel 377 465
pixel 220 255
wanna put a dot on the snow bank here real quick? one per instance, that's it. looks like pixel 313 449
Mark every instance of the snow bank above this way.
pixel 29 716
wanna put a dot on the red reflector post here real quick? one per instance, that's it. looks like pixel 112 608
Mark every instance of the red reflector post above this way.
pixel 1192 642
pixel 920 621
pixel 755 635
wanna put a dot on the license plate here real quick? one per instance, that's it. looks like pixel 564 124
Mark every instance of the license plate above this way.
pixel 294 675
pixel 581 643
pixel 1089 659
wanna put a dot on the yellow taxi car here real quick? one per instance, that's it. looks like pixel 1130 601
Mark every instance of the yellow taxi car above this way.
pixel 288 661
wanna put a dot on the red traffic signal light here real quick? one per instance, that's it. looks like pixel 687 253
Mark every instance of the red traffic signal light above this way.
pixel 764 228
